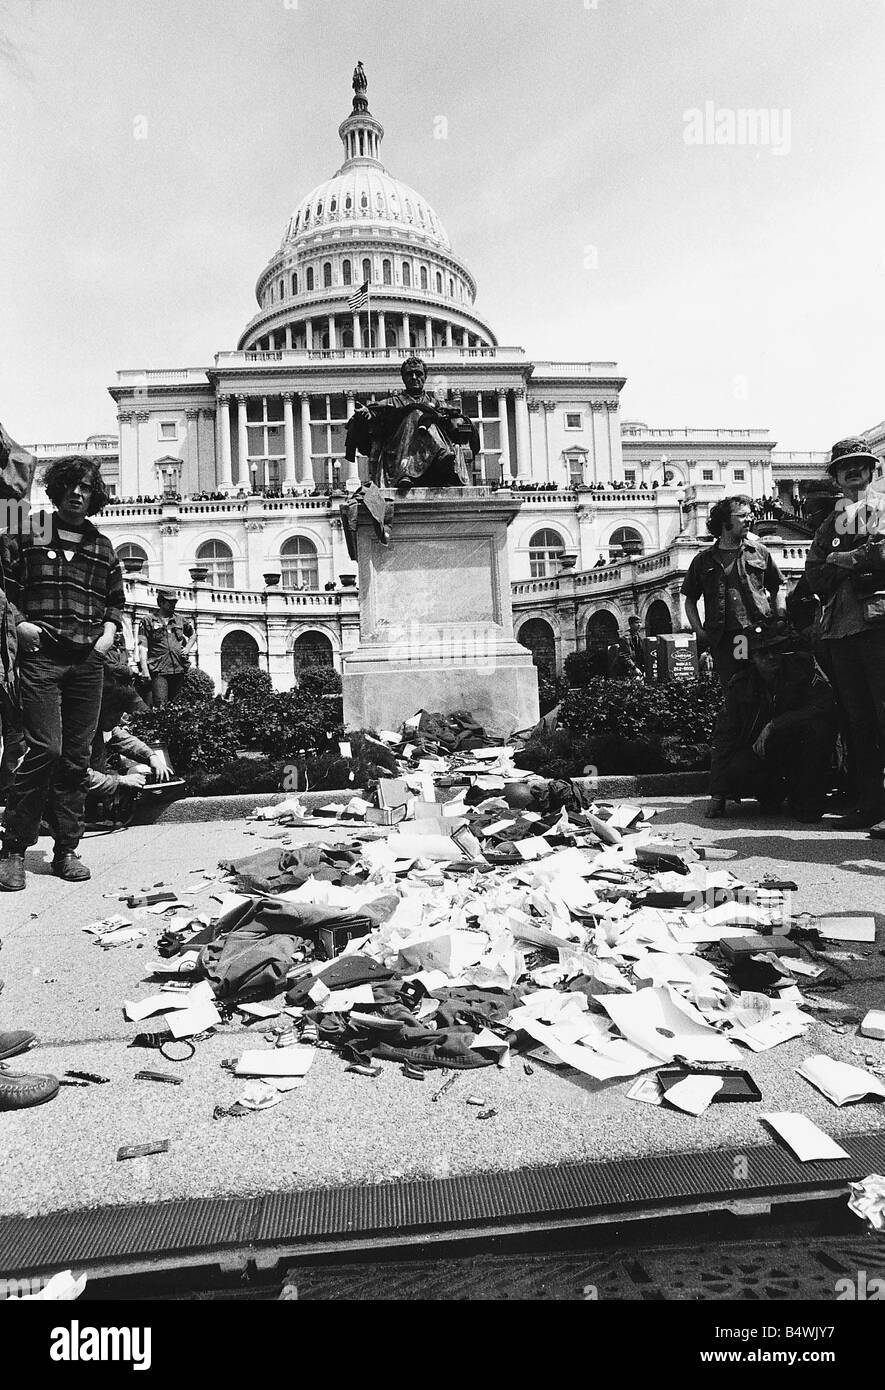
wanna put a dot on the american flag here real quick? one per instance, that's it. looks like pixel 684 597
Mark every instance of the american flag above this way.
pixel 360 298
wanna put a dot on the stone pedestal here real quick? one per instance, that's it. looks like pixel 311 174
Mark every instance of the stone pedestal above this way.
pixel 436 626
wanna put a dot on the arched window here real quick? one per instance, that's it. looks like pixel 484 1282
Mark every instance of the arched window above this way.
pixel 540 639
pixel 348 203
pixel 218 558
pixel 367 269
pixel 407 274
pixel 386 273
pixel 545 548
pixel 602 629
pixel 238 649
pixel 311 649
pixel 319 209
pixel 282 288
pixel 306 216
pixel 438 283
pixel 451 288
pixel 298 564
pixel 327 274
pixel 626 539
pixel 295 284
pixel 345 272
pixel 364 197
pixel 310 277
pixel 424 277
pixel 133 559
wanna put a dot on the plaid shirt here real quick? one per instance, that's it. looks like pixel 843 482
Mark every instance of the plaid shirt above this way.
pixel 70 600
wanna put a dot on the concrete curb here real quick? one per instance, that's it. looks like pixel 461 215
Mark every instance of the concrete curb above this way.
pixel 212 808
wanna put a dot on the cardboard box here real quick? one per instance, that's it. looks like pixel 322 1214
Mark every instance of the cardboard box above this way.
pixel 677 656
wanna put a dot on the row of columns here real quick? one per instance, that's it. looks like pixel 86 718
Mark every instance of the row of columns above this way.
pixel 300 473
pixel 454 337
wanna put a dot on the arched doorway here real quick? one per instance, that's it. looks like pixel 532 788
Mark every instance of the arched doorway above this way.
pixel 311 649
pixel 627 541
pixel 658 619
pixel 602 629
pixel 540 640
pixel 133 558
pixel 237 649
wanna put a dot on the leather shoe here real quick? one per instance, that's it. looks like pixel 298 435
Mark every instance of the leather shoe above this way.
pixel 70 866
pixel 21 1089
pixel 12 873
pixel 13 1043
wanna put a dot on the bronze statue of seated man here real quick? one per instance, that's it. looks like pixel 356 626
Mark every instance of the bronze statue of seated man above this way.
pixel 413 436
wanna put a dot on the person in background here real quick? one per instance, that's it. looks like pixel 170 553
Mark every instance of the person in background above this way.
pixel 776 733
pixel 66 587
pixel 845 566
pixel 164 647
pixel 738 581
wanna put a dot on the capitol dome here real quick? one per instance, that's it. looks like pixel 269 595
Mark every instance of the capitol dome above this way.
pixel 365 228
pixel 363 194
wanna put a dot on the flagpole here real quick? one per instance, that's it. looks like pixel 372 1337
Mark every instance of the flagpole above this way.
pixel 368 315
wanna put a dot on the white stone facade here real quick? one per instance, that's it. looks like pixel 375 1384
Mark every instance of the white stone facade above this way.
pixel 271 417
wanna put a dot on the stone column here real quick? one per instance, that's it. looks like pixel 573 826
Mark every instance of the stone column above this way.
pixel 288 337
pixel 242 444
pixel 288 440
pixel 305 477
pixel 333 341
pixel 601 454
pixel 504 430
pixel 308 334
pixel 523 439
pixel 614 439
pixel 549 407
pixel 449 339
pixel 428 333
pixel 357 331
pixel 407 331
pixel 465 339
pixel 272 341
pixel 352 478
pixel 382 329
pixel 222 420
pixel 190 476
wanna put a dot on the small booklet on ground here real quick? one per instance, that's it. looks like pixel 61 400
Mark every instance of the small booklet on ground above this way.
pixel 839 1081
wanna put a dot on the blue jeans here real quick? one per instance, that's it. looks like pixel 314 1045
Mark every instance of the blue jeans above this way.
pixel 61 700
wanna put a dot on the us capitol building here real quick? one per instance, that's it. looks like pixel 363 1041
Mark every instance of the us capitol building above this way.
pixel 227 479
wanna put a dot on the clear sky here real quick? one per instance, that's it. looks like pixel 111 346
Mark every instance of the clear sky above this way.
pixel 735 285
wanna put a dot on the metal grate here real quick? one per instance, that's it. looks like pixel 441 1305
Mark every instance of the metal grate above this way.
pixel 456 1206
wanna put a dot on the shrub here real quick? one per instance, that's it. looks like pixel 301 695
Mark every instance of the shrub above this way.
pixel 251 693
pixel 319 680
pixel 200 737
pixel 628 727
pixel 550 691
pixel 197 687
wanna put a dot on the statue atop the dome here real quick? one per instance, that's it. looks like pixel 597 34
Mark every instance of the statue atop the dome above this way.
pixel 360 85
pixel 413 436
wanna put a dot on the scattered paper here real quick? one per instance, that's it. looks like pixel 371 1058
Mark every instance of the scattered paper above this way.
pixel 802 1135
pixel 847 928
pixel 276 1061
pixel 867 1200
pixel 193 1020
pixel 839 1081
pixel 694 1093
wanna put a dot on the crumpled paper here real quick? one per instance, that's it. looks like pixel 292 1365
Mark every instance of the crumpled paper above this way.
pixel 867 1200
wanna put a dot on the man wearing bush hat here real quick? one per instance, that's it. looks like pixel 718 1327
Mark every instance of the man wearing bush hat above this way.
pixel 164 646
pixel 846 569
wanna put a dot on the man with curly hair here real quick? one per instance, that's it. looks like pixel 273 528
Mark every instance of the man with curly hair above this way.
pixel 65 585
pixel 738 581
